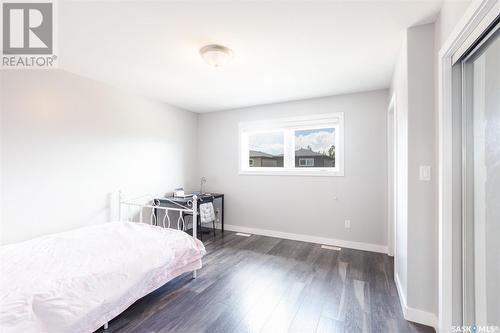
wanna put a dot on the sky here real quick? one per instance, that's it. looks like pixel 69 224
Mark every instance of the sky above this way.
pixel 271 143
pixel 320 140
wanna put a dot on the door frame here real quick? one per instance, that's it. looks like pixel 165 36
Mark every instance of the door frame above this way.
pixel 391 176
pixel 473 24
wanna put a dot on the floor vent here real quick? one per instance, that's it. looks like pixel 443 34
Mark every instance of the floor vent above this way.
pixel 242 234
pixel 328 247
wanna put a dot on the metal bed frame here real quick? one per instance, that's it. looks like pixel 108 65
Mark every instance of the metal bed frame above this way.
pixel 150 202
pixel 153 204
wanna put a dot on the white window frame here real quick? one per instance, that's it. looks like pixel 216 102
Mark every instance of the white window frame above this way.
pixel 306 162
pixel 288 126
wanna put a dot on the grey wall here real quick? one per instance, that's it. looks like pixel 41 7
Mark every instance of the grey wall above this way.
pixel 68 142
pixel 416 223
pixel 298 204
pixel 422 205
pixel 399 91
pixel 415 88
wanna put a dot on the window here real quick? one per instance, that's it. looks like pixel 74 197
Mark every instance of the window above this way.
pixel 305 162
pixel 310 145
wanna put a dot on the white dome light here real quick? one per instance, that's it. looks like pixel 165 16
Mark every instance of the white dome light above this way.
pixel 216 55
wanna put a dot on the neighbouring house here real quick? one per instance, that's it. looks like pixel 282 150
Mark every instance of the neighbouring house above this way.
pixel 259 159
pixel 308 158
pixel 304 158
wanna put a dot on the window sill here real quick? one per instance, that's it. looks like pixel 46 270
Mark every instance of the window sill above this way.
pixel 316 173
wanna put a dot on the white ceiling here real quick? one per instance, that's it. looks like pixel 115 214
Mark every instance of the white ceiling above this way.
pixel 283 50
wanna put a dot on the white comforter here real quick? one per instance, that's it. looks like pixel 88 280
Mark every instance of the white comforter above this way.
pixel 76 281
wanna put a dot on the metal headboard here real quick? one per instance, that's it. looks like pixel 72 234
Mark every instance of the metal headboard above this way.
pixel 153 204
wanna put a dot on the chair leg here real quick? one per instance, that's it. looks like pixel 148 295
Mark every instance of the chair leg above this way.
pixel 213 224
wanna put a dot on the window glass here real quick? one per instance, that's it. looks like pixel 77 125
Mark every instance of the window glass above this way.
pixel 315 148
pixel 266 150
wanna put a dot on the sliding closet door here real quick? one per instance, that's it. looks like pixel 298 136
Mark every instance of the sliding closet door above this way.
pixel 481 183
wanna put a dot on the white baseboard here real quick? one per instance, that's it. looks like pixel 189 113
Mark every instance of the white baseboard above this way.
pixel 308 238
pixel 412 314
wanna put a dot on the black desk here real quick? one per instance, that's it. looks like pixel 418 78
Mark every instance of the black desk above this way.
pixel 184 202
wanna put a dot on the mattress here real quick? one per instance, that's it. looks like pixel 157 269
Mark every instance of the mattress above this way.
pixel 76 281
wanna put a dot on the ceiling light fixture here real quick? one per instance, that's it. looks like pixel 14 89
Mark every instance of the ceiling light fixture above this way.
pixel 216 55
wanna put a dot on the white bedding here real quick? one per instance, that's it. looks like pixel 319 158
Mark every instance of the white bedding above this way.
pixel 76 281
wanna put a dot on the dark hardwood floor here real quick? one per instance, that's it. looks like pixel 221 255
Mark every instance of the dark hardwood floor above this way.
pixel 264 284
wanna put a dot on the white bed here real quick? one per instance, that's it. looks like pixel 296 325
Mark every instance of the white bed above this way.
pixel 79 280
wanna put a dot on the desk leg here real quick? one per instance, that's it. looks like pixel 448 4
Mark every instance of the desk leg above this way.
pixel 222 214
pixel 198 220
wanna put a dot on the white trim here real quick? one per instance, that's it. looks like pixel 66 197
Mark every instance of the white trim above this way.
pixel 473 17
pixel 328 247
pixel 479 193
pixel 412 314
pixel 309 238
pixel 445 207
pixel 270 124
pixel 478 25
pixel 391 178
pixel 402 297
pixel 475 13
pixel 317 172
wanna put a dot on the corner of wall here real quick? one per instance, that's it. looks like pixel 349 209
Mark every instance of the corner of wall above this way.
pixel 413 84
pixel 412 314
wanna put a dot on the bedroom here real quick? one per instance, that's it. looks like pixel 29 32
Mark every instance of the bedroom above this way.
pixel 316 142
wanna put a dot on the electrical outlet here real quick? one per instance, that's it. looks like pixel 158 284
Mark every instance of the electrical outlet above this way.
pixel 347 224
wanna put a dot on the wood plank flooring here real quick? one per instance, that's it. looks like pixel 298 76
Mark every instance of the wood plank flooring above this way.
pixel 264 284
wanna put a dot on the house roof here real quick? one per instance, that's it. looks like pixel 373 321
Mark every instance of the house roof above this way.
pixel 307 153
pixel 256 153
